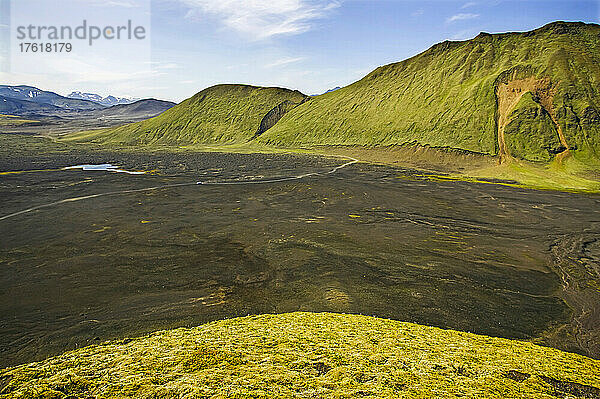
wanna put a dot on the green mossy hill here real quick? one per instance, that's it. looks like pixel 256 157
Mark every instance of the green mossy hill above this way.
pixel 219 114
pixel 308 355
pixel 446 96
pixel 530 132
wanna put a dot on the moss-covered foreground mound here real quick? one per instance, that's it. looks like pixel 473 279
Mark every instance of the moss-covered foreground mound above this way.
pixel 308 355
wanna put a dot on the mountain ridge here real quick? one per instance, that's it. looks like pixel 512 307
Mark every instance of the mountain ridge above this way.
pixel 44 97
pixel 526 99
pixel 459 84
pixel 367 113
pixel 13 106
pixel 108 101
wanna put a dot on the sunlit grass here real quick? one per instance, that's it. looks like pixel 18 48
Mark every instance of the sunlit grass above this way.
pixel 12 120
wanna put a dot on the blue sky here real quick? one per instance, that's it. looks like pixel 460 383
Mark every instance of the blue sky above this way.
pixel 307 45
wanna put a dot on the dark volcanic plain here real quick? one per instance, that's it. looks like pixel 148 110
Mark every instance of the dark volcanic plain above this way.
pixel 367 239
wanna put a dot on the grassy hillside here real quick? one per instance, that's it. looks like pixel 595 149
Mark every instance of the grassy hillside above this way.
pixel 219 114
pixel 308 355
pixel 447 96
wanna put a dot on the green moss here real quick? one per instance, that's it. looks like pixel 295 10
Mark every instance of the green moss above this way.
pixel 307 355
pixel 208 357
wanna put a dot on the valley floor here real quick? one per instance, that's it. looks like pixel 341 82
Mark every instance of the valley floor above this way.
pixel 106 255
pixel 157 250
pixel 568 173
pixel 564 174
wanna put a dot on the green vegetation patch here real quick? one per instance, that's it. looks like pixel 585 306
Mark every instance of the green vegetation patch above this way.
pixel 12 120
pixel 307 355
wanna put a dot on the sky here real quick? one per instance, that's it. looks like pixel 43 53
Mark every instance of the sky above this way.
pixel 308 45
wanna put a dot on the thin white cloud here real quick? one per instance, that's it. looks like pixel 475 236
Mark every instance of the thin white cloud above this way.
pixel 462 17
pixel 115 3
pixel 170 65
pixel 284 61
pixel 417 13
pixel 463 35
pixel 469 4
pixel 125 4
pixel 259 19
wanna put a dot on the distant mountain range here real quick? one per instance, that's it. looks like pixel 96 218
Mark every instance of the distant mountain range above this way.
pixel 33 102
pixel 328 91
pixel 106 101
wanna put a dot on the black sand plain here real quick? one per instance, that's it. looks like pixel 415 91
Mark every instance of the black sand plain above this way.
pixel 369 239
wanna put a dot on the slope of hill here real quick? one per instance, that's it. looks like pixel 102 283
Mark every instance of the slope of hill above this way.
pixel 219 114
pixel 140 109
pixel 529 95
pixel 308 355
pixel 42 97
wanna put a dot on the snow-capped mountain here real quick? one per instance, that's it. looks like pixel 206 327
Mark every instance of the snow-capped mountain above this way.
pixel 106 101
pixel 42 97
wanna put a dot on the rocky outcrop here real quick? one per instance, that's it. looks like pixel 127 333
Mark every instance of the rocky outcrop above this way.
pixel 527 122
pixel 275 114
